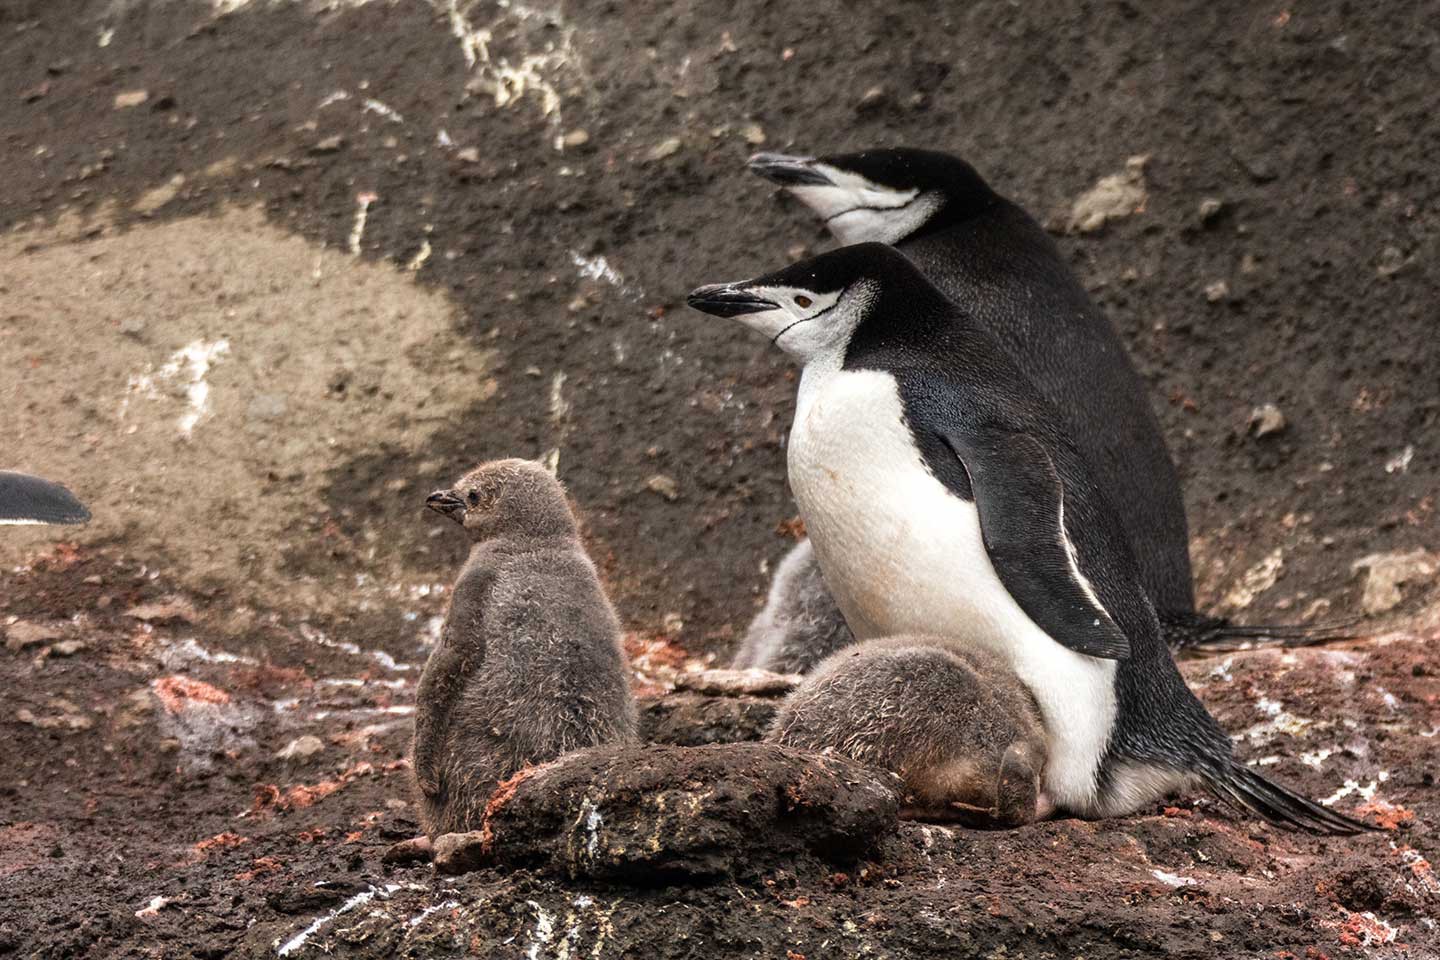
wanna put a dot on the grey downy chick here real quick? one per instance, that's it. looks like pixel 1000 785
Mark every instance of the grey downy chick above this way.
pixel 529 665
pixel 800 625
pixel 953 721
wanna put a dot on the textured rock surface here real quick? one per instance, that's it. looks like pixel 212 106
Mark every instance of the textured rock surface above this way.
pixel 649 815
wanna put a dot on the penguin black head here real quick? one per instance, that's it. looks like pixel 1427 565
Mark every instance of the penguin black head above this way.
pixel 506 498
pixel 814 306
pixel 880 195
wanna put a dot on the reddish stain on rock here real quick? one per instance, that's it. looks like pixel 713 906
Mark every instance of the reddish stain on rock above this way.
pixel 1387 815
pixel 178 693
pixel 260 867
pixel 221 841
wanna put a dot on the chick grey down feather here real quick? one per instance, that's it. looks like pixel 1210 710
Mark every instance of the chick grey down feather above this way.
pixel 529 665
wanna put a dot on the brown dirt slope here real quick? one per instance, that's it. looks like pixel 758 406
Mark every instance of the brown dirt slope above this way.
pixel 429 233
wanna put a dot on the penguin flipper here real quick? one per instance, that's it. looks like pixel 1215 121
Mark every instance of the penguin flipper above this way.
pixel 447 672
pixel 1021 500
pixel 27 499
pixel 1268 800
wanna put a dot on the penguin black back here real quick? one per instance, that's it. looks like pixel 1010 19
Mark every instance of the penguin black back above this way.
pixel 25 499
pixel 989 255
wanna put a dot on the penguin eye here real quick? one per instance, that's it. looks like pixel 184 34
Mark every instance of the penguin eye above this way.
pixel 803 301
pixel 473 497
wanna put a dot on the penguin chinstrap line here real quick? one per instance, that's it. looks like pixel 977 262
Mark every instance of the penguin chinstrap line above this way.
pixel 986 252
pixel 943 495
pixel 30 500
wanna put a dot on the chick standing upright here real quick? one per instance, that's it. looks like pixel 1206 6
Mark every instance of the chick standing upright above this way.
pixel 529 665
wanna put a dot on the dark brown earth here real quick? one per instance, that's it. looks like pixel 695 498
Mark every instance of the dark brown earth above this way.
pixel 144 810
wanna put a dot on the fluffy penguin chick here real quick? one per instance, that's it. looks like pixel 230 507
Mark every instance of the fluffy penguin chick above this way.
pixel 529 664
pixel 801 623
pixel 953 721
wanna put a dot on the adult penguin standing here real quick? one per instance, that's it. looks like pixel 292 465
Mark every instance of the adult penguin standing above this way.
pixel 943 495
pixel 986 252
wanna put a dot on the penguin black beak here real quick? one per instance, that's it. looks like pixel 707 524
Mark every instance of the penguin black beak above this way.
pixel 728 300
pixel 788 171
pixel 447 504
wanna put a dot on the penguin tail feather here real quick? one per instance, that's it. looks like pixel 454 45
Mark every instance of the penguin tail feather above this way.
pixel 1202 634
pixel 1249 791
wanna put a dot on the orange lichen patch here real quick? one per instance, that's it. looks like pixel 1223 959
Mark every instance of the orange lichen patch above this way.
pixel 1419 867
pixel 1387 815
pixel 649 652
pixel 308 795
pixel 1365 930
pixel 221 841
pixel 266 795
pixel 60 556
pixel 498 799
pixel 355 836
pixel 177 693
pixel 794 528
pixel 1178 812
pixel 269 797
pixel 259 868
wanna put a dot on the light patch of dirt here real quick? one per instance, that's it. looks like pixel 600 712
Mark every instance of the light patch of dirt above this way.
pixel 194 380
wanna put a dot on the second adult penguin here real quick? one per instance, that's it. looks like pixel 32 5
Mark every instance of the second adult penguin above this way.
pixel 529 664
pixel 943 496
pixel 983 250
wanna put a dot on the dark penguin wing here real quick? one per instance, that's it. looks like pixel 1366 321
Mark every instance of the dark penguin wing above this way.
pixel 27 499
pixel 1021 500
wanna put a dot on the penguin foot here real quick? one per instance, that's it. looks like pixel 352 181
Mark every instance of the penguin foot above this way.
pixel 406 852
pixel 1197 633
pixel 1017 787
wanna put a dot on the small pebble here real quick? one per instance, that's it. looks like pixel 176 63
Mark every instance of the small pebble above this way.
pixel 664 485
pixel 1267 419
pixel 664 149
pixel 872 99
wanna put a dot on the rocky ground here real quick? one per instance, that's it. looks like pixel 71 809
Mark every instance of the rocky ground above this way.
pixel 269 272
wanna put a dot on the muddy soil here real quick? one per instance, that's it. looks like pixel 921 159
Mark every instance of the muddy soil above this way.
pixel 271 271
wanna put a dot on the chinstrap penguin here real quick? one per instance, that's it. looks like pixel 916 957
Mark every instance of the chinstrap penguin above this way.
pixel 25 500
pixel 800 624
pixel 529 665
pixel 951 719
pixel 985 252
pixel 943 496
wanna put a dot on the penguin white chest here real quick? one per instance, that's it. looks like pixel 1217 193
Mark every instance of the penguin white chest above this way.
pixel 902 554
